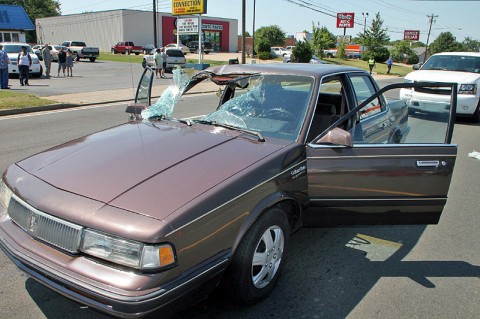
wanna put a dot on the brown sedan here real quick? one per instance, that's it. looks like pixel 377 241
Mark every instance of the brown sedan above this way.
pixel 154 214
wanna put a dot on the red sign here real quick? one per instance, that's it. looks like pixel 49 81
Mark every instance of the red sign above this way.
pixel 345 19
pixel 413 35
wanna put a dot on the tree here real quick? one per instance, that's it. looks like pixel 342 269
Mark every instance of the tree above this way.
pixel 36 9
pixel 272 35
pixel 402 52
pixel 375 39
pixel 322 39
pixel 302 52
pixel 445 42
pixel 471 45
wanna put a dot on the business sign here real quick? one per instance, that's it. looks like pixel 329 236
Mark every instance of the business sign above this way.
pixel 187 25
pixel 344 38
pixel 186 7
pixel 413 35
pixel 345 19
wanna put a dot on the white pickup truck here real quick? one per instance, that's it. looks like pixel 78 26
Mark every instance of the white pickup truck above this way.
pixel 462 68
pixel 81 51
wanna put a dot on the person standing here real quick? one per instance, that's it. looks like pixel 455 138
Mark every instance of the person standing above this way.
pixel 62 59
pixel 157 57
pixel 371 64
pixel 24 62
pixel 389 65
pixel 47 59
pixel 69 63
pixel 164 64
pixel 4 61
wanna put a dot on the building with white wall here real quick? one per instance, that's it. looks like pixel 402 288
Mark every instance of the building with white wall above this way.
pixel 105 28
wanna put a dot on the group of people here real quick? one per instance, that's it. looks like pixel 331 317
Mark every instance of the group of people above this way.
pixel 371 64
pixel 65 61
pixel 160 58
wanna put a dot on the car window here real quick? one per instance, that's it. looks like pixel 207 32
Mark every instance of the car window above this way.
pixel 364 88
pixel 15 48
pixel 78 44
pixel 175 53
pixel 453 63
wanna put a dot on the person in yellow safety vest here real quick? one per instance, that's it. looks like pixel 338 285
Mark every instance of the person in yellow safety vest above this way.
pixel 371 64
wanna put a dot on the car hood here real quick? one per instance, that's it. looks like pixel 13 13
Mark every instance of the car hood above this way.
pixel 443 76
pixel 168 163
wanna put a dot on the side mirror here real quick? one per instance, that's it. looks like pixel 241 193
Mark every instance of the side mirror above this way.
pixel 337 136
pixel 417 66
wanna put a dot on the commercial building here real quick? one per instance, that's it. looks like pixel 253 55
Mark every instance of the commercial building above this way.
pixel 14 21
pixel 105 28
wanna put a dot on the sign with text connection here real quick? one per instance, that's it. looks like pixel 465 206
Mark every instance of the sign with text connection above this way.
pixel 186 7
pixel 412 35
pixel 345 19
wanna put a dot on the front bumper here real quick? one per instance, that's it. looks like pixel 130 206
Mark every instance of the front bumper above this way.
pixel 108 298
pixel 34 69
pixel 466 103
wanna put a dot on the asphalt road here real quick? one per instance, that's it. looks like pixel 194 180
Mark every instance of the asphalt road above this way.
pixel 355 272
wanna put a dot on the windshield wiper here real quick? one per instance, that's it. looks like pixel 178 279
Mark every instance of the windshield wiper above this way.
pixel 163 117
pixel 258 135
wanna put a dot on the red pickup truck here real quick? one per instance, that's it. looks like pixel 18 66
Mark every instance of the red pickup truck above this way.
pixel 127 48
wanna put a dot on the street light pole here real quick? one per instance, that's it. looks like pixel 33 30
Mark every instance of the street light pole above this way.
pixel 365 15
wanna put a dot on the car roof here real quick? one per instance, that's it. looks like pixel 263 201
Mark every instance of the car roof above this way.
pixel 477 54
pixel 307 69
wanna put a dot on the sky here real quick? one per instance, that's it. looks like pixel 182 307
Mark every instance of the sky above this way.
pixel 461 18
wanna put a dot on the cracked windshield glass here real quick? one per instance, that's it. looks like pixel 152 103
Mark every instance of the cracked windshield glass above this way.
pixel 269 105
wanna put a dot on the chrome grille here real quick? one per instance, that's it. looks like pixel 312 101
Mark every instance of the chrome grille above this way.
pixel 55 231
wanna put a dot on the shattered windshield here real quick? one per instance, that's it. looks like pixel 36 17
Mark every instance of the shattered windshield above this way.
pixel 274 105
pixel 266 105
pixel 459 63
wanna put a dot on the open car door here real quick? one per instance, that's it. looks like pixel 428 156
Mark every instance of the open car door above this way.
pixel 142 95
pixel 353 181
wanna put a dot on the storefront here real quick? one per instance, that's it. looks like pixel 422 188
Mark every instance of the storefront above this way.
pixel 214 31
pixel 105 28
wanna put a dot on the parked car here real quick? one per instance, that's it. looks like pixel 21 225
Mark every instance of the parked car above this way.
pixel 207 46
pixel 81 51
pixel 462 68
pixel 152 215
pixel 54 51
pixel 13 49
pixel 182 47
pixel 126 48
pixel 279 51
pixel 147 48
pixel 175 58
pixel 37 49
pixel 314 59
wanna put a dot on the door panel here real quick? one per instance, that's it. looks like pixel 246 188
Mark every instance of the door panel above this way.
pixel 371 182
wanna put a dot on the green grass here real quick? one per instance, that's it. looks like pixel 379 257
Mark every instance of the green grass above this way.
pixel 14 100
pixel 132 58
pixel 380 68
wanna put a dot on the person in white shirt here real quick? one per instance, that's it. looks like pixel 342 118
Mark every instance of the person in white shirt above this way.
pixel 24 63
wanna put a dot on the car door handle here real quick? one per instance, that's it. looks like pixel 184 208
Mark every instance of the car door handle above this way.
pixel 428 163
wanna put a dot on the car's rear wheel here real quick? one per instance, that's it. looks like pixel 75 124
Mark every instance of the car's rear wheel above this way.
pixel 259 259
pixel 92 59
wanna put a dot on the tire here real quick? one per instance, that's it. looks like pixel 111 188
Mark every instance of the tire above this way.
pixel 144 64
pixel 137 53
pixel 476 114
pixel 92 59
pixel 259 259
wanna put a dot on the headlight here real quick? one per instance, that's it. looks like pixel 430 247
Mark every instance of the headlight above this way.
pixel 467 89
pixel 5 195
pixel 126 252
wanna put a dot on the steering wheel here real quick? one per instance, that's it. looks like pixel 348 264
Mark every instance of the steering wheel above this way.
pixel 280 113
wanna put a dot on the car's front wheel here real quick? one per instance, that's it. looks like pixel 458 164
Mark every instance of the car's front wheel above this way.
pixel 259 259
pixel 476 114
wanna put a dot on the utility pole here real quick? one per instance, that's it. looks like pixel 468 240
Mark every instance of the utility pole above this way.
pixel 431 19
pixel 253 35
pixel 365 15
pixel 155 23
pixel 244 41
